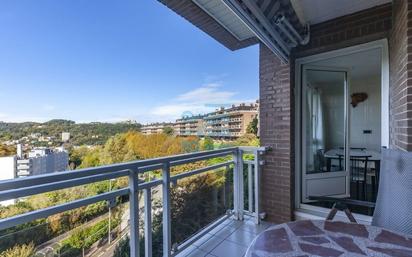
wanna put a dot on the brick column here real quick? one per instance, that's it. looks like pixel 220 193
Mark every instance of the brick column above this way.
pixel 400 54
pixel 275 131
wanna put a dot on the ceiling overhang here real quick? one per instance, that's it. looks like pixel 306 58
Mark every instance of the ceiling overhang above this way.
pixel 279 24
pixel 239 23
pixel 273 22
pixel 318 11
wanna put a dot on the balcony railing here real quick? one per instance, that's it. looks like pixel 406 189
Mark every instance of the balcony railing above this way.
pixel 23 187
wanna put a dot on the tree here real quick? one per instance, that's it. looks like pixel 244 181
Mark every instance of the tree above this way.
pixel 168 131
pixel 123 248
pixel 247 140
pixel 252 127
pixel 7 150
pixel 208 144
pixel 25 250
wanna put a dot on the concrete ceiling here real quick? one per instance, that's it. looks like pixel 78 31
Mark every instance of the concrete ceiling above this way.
pixel 361 65
pixel 316 11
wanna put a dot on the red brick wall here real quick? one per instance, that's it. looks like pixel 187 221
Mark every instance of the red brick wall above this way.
pixel 400 75
pixel 277 106
pixel 275 131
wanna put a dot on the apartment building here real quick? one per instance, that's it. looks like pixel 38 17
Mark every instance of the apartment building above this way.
pixel 231 122
pixel 37 161
pixel 42 161
pixel 155 128
pixel 189 126
pixel 224 123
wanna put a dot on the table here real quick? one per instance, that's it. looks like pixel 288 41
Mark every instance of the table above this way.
pixel 329 238
pixel 374 155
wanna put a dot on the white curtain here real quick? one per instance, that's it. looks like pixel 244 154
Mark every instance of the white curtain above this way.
pixel 315 129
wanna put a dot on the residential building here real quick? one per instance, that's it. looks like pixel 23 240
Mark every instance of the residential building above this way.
pixel 42 161
pixel 189 126
pixel 37 161
pixel 225 123
pixel 65 136
pixel 155 128
pixel 230 122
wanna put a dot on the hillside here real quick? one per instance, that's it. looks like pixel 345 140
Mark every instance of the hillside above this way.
pixel 95 133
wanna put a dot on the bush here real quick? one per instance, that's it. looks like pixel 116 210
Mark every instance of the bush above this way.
pixel 24 250
pixel 123 248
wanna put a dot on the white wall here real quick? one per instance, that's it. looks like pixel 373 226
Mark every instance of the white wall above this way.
pixel 367 115
pixel 7 167
pixel 7 171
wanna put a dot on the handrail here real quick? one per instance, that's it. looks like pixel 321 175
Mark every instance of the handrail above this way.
pixel 134 165
pixel 23 187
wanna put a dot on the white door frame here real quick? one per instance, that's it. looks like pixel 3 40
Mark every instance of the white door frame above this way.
pixel 346 123
pixel 382 45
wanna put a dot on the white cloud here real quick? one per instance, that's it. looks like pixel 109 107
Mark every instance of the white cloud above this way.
pixel 204 99
pixel 207 94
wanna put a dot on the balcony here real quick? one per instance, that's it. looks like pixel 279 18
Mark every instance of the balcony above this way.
pixel 234 225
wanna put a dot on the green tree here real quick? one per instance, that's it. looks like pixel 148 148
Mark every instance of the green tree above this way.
pixel 252 127
pixel 24 250
pixel 7 150
pixel 123 248
pixel 247 140
pixel 208 144
pixel 168 131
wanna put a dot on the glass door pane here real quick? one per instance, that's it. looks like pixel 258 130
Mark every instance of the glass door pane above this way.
pixel 325 121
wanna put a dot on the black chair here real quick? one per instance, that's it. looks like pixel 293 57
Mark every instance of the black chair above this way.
pixel 393 208
pixel 358 173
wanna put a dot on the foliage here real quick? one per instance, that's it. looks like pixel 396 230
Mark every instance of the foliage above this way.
pixel 252 127
pixel 247 140
pixel 123 248
pixel 203 193
pixel 24 250
pixel 207 144
pixel 7 150
pixel 168 131
pixel 95 133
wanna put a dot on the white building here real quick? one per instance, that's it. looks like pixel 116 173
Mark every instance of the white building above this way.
pixel 38 161
pixel 43 160
pixel 65 136
pixel 7 171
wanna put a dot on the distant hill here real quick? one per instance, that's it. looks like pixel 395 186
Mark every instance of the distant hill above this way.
pixel 93 133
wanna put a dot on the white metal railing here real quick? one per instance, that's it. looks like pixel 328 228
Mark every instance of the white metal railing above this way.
pixel 22 187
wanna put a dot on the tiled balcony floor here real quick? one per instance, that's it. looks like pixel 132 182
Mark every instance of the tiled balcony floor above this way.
pixel 231 238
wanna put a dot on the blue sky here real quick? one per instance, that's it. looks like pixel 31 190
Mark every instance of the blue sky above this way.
pixel 101 60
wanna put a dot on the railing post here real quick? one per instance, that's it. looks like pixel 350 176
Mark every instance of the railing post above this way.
pixel 148 221
pixel 134 214
pixel 167 235
pixel 257 185
pixel 250 183
pixel 238 191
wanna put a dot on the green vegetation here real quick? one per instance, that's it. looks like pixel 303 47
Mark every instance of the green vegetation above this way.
pixel 252 127
pixel 168 131
pixel 25 250
pixel 208 144
pixel 95 133
pixel 7 150
pixel 209 194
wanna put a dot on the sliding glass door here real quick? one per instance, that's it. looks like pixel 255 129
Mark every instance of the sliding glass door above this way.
pixel 325 133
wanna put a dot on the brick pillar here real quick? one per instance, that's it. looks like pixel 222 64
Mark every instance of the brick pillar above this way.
pixel 275 131
pixel 400 55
